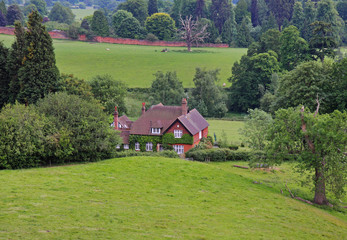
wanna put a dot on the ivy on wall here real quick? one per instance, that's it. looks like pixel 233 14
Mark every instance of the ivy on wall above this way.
pixel 169 138
pixel 142 140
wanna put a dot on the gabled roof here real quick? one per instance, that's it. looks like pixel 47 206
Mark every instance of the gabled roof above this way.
pixel 193 121
pixel 158 116
pixel 124 121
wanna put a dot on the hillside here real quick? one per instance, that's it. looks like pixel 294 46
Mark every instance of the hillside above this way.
pixel 141 198
pixel 135 65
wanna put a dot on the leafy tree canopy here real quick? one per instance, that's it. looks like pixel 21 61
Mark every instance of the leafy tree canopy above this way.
pixel 61 14
pixel 161 25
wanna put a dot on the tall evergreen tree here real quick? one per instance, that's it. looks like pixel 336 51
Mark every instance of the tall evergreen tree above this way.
pixel 4 77
pixel 3 8
pixel 39 74
pixel 152 7
pixel 241 11
pixel 41 6
pixel 281 9
pixel 200 9
pixel 15 61
pixel 100 24
pixel 254 13
pixel 229 29
pixel 263 12
pixel 220 12
pixel 3 21
pixel 270 23
pixel 244 38
pixel 298 16
pixel 309 18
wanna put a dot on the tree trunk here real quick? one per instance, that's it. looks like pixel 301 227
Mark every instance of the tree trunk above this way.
pixel 319 195
pixel 189 46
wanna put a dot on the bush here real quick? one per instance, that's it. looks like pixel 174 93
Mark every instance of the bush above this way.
pixel 151 37
pixel 131 153
pixel 233 147
pixel 218 155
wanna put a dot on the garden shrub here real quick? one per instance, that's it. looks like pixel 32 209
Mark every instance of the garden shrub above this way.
pixel 131 153
pixel 218 155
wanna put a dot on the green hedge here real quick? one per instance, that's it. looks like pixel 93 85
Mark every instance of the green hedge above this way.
pixel 143 139
pixel 219 155
pixel 169 138
pixel 131 153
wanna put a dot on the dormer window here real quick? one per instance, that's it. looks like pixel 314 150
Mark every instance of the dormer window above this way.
pixel 119 125
pixel 155 130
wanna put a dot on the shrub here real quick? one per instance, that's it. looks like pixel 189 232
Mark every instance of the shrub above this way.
pixel 151 37
pixel 218 155
pixel 131 153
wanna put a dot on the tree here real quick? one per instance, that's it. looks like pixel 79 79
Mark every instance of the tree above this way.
pixel 244 38
pixel 317 142
pixel 129 28
pixel 254 13
pixel 281 9
pixel 191 32
pixel 200 10
pixel 207 95
pixel 61 14
pixel 75 86
pixel 118 17
pixel 309 18
pixel 41 6
pixel 91 136
pixel 29 8
pixel 3 9
pixel 304 83
pixel 138 8
pixel 220 12
pixel 211 30
pixel 270 40
pixel 341 8
pixel 229 30
pixel 38 74
pixel 3 21
pixel 241 11
pixel 100 24
pixel 152 7
pixel 256 128
pixel 340 84
pixel 161 25
pixel 269 23
pixel 294 49
pixel 322 43
pixel 4 75
pixel 166 89
pixel 14 13
pixel 298 17
pixel 248 76
pixel 109 92
pixel 15 61
pixel 263 12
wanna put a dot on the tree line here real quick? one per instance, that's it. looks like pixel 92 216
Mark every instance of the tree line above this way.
pixel 237 24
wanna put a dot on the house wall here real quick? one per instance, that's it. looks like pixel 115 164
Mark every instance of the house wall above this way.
pixel 180 127
pixel 196 136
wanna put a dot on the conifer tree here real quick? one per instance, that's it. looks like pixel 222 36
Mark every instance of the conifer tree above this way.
pixel 39 74
pixel 2 20
pixel 254 13
pixel 298 16
pixel 220 12
pixel 4 78
pixel 309 18
pixel 229 29
pixel 200 9
pixel 14 62
pixel 3 8
pixel 152 7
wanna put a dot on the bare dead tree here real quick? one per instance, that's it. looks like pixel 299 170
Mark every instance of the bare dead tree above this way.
pixel 192 32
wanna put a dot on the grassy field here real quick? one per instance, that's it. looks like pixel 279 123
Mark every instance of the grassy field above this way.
pixel 81 13
pixel 154 198
pixel 231 128
pixel 135 65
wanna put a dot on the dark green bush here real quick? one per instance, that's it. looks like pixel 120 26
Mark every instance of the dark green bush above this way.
pixel 218 155
pixel 233 147
pixel 131 153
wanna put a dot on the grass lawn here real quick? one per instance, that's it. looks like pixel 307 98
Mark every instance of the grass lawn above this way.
pixel 153 198
pixel 81 13
pixel 135 65
pixel 231 129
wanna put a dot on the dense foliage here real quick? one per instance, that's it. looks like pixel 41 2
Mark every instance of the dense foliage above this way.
pixel 161 25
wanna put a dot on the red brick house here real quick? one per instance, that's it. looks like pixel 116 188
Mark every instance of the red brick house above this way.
pixel 162 125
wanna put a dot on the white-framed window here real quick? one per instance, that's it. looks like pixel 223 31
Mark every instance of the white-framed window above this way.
pixel 118 146
pixel 156 130
pixel 179 148
pixel 137 146
pixel 149 146
pixel 178 133
pixel 119 125
pixel 200 135
pixel 126 146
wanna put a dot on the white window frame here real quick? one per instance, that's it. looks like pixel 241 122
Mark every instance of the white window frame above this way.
pixel 155 130
pixel 178 133
pixel 119 125
pixel 118 146
pixel 179 149
pixel 149 146
pixel 200 134
pixel 137 146
pixel 126 146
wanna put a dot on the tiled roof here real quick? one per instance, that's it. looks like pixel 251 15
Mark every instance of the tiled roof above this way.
pixel 158 116
pixel 193 121
pixel 124 120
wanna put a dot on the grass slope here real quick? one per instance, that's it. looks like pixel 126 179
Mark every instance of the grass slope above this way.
pixel 135 65
pixel 81 13
pixel 152 198
pixel 231 128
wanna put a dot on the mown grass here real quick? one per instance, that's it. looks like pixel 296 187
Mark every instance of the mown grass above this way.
pixel 153 198
pixel 231 129
pixel 135 65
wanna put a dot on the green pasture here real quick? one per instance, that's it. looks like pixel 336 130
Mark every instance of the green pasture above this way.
pixel 81 13
pixel 135 65
pixel 155 198
pixel 231 128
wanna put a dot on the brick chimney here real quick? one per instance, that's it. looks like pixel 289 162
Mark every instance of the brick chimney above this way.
pixel 115 118
pixel 184 106
pixel 143 108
